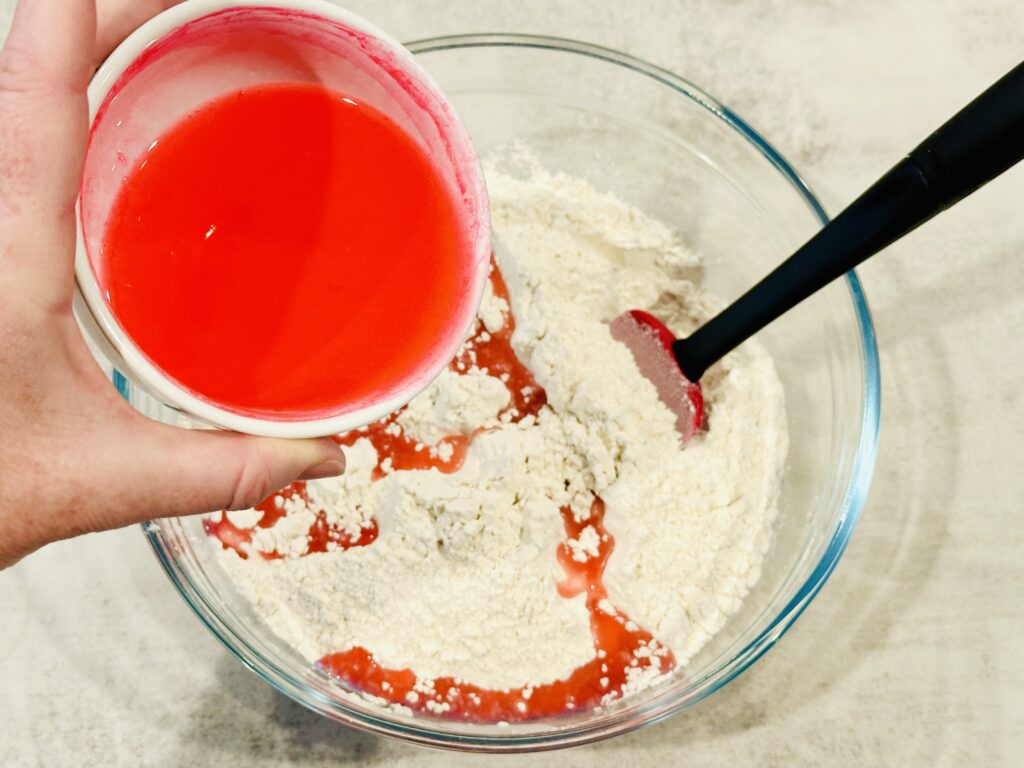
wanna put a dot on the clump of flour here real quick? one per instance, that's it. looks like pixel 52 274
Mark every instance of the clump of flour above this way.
pixel 462 580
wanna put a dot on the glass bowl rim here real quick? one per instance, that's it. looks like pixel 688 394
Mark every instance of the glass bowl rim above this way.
pixel 628 720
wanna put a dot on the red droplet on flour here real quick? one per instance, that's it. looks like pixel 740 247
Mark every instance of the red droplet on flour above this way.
pixel 288 253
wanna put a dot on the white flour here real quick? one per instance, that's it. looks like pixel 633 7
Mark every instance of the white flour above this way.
pixel 462 579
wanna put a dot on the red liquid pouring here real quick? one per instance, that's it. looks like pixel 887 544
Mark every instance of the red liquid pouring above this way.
pixel 287 252
pixel 621 647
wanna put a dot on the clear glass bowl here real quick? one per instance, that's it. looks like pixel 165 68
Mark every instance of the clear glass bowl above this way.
pixel 665 146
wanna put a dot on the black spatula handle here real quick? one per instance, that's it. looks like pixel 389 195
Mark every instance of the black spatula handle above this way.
pixel 977 144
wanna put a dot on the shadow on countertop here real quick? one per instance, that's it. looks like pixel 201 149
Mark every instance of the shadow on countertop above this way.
pixel 242 720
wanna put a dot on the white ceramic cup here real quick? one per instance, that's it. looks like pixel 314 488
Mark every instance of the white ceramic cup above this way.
pixel 202 49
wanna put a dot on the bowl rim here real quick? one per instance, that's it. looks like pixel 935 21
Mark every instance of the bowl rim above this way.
pixel 853 500
pixel 97 318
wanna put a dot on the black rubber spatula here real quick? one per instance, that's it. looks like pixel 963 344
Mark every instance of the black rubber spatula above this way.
pixel 977 144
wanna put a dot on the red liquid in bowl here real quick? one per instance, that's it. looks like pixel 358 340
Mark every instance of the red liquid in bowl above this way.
pixel 289 253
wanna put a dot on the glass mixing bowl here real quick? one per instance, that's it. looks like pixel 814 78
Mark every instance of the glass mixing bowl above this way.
pixel 667 147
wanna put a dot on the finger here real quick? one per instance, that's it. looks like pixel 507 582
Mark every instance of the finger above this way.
pixel 119 18
pixel 151 470
pixel 44 68
pixel 180 472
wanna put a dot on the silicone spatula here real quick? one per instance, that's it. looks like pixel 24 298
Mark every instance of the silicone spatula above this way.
pixel 977 144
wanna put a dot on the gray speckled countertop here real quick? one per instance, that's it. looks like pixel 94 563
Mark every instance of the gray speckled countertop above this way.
pixel 911 655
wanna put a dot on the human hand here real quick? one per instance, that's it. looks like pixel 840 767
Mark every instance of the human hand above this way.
pixel 74 457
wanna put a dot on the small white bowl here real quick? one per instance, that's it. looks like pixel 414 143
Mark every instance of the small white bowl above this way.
pixel 201 49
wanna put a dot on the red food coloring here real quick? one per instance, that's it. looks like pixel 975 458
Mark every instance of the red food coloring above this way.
pixel 493 353
pixel 268 250
pixel 321 533
pixel 396 451
pixel 650 341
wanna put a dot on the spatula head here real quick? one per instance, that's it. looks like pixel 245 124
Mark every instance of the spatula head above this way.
pixel 650 341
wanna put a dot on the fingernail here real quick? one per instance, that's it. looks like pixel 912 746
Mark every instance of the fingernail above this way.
pixel 322 470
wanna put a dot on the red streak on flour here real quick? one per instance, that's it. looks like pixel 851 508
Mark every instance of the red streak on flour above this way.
pixel 320 535
pixel 620 646
pixel 493 353
pixel 286 252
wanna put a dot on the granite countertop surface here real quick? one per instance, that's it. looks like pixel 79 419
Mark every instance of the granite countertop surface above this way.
pixel 911 654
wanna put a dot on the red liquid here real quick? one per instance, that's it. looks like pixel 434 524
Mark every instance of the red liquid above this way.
pixel 494 354
pixel 320 532
pixel 620 645
pixel 286 252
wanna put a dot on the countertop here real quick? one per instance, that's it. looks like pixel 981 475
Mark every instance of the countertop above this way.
pixel 911 654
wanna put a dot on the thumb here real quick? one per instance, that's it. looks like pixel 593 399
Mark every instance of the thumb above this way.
pixel 172 471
